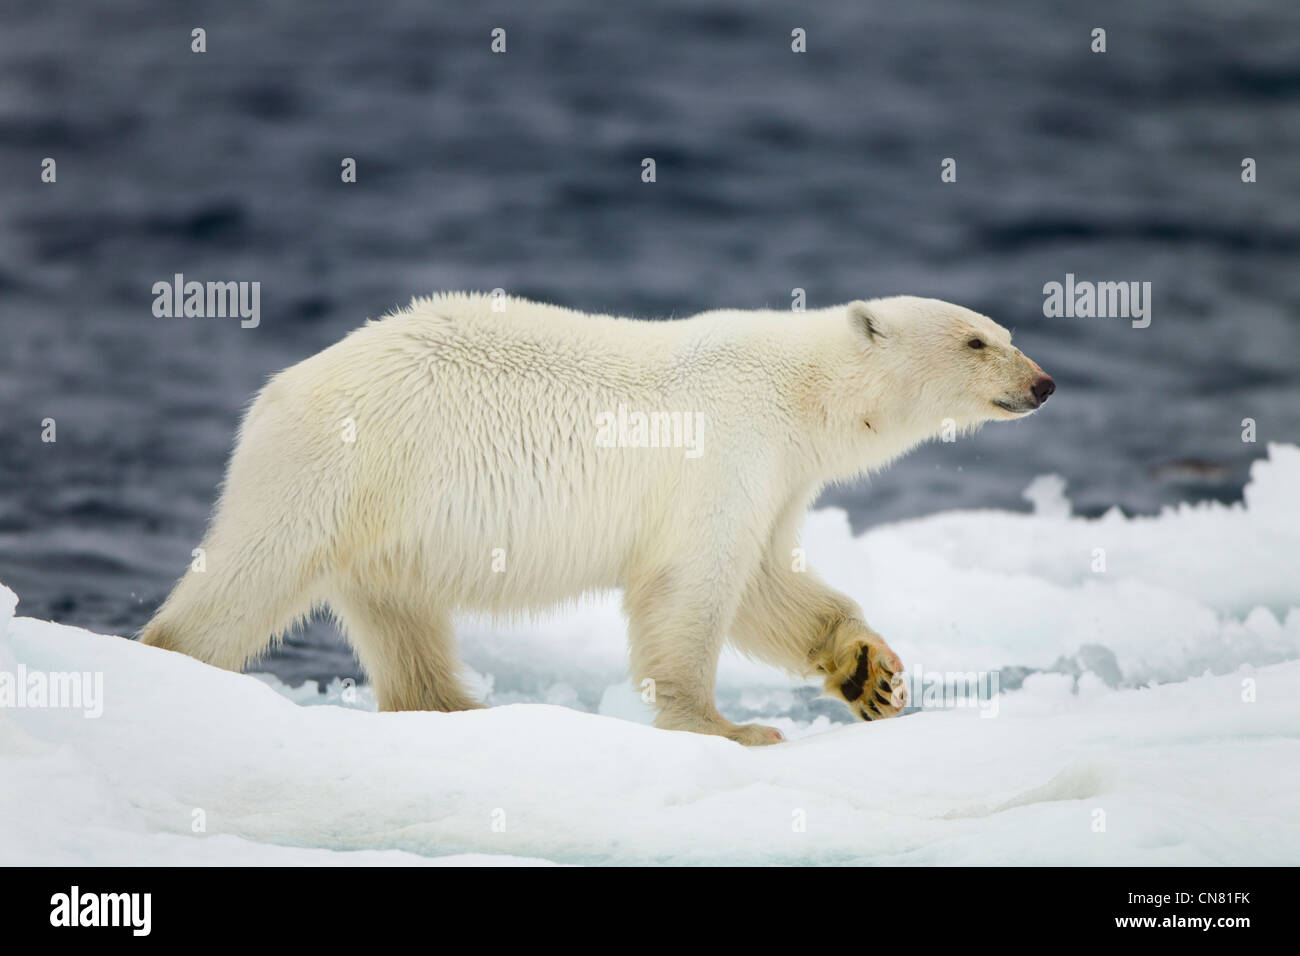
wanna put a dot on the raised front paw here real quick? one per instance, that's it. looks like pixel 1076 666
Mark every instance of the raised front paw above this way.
pixel 868 676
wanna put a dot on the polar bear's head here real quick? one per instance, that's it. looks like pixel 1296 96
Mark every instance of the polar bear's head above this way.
pixel 943 363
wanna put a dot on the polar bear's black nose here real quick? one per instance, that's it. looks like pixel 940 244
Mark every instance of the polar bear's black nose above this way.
pixel 1042 388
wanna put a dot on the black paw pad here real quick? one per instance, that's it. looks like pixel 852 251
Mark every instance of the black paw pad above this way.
pixel 853 687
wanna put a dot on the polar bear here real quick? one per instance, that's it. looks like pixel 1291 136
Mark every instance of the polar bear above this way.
pixel 492 454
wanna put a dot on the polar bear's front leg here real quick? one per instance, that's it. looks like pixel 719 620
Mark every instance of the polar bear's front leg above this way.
pixel 793 620
pixel 677 618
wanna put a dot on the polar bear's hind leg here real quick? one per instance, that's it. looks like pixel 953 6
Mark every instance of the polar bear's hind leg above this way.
pixel 407 648
pixel 228 610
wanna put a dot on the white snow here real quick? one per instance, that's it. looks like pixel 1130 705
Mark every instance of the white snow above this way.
pixel 1153 717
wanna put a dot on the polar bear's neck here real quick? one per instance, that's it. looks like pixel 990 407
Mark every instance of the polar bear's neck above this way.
pixel 858 412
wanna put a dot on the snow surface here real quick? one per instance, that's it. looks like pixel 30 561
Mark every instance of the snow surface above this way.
pixel 1149 714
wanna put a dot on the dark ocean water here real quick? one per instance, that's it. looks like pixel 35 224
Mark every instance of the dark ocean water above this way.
pixel 522 171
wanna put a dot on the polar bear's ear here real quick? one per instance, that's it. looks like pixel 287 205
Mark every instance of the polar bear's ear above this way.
pixel 865 320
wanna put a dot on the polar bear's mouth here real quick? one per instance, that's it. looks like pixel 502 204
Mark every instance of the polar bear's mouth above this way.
pixel 1018 408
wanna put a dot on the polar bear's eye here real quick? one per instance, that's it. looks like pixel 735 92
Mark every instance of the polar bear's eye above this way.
pixel 976 343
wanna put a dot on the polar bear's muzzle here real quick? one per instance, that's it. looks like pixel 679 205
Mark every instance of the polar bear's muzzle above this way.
pixel 1038 393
